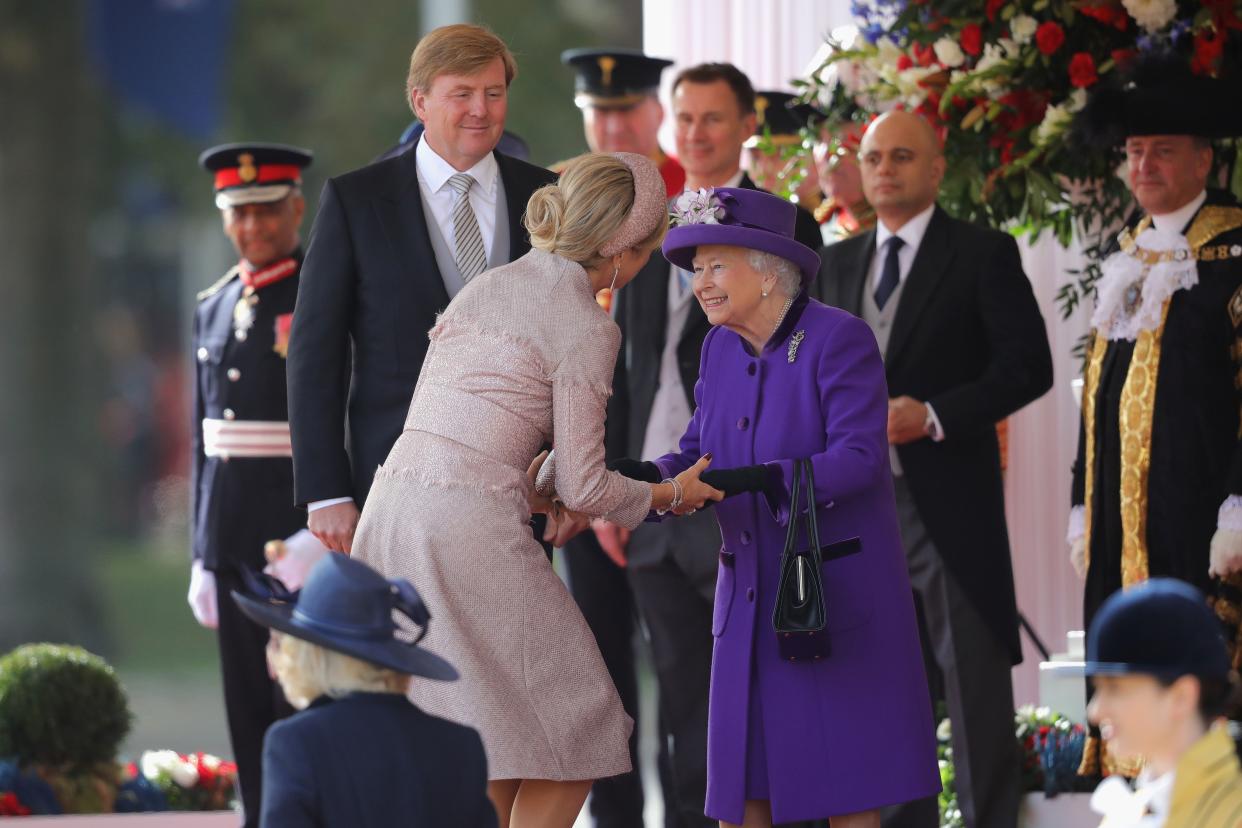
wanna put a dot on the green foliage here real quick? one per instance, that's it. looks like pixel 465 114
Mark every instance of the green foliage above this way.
pixel 60 706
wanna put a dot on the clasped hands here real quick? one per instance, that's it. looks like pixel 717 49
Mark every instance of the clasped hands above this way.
pixel 565 523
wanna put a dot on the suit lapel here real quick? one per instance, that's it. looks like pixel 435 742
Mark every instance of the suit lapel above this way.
pixel 931 262
pixel 853 276
pixel 419 283
pixel 516 197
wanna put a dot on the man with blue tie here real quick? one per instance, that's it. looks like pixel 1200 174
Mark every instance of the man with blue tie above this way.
pixel 964 347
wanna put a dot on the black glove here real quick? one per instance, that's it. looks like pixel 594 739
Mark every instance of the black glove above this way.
pixel 740 479
pixel 643 470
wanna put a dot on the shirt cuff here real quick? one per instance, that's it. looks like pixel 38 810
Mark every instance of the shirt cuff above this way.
pixel 332 501
pixel 934 430
pixel 1230 514
pixel 1077 524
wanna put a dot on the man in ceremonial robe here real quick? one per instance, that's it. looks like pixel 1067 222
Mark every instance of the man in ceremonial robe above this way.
pixel 1157 482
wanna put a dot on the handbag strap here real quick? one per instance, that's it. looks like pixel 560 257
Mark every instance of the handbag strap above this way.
pixel 812 522
pixel 795 489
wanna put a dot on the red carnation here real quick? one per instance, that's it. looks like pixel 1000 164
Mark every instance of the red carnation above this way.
pixel 1122 57
pixel 10 805
pixel 1082 70
pixel 972 39
pixel 993 6
pixel 1208 51
pixel 1049 37
pixel 904 62
pixel 1108 15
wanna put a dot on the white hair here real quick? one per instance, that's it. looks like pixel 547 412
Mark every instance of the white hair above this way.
pixel 307 671
pixel 788 276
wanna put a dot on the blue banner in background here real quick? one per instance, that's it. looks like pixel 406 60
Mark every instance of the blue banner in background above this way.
pixel 165 57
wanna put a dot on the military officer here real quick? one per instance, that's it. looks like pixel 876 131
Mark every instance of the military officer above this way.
pixel 242 475
pixel 616 89
pixel 777 155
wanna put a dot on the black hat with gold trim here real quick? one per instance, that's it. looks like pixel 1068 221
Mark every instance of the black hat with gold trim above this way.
pixel 613 78
pixel 254 173
pixel 780 119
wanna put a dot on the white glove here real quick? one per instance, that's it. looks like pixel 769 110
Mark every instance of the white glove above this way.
pixel 1226 552
pixel 292 560
pixel 202 596
pixel 1076 537
pixel 1078 555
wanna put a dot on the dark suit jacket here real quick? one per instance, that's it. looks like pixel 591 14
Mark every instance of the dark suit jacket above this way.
pixel 968 338
pixel 373 760
pixel 370 281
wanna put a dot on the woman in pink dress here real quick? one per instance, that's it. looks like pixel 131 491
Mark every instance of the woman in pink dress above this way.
pixel 524 355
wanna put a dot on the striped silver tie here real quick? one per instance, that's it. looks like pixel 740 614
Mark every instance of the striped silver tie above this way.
pixel 471 257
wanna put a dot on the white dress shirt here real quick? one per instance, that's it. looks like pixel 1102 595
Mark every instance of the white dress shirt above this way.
pixel 1176 221
pixel 433 181
pixel 911 235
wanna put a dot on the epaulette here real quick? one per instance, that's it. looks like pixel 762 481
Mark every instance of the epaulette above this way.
pixel 220 283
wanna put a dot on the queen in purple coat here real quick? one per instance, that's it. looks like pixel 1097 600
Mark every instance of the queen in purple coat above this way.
pixel 783 377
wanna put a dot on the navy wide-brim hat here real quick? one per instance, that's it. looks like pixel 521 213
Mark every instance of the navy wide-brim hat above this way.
pixel 1162 628
pixel 753 219
pixel 348 607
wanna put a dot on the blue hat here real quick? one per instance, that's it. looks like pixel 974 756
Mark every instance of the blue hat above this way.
pixel 735 216
pixel 1162 628
pixel 347 606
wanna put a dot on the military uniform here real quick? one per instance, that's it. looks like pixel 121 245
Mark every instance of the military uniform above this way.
pixel 242 472
pixel 780 122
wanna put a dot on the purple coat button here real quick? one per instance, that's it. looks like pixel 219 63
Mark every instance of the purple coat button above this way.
pixel 745 537
pixel 750 369
pixel 743 424
pixel 750 595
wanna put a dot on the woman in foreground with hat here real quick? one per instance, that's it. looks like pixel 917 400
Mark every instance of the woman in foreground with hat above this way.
pixel 360 753
pixel 846 726
pixel 1157 658
pixel 524 355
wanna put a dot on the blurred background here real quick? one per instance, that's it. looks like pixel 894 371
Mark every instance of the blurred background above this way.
pixel 107 232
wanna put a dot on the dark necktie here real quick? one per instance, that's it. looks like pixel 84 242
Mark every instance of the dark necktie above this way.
pixel 890 275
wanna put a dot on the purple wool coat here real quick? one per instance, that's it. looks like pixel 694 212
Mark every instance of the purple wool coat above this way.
pixel 854 731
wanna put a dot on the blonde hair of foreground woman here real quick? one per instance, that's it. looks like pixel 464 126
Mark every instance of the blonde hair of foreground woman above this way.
pixel 307 671
pixel 579 214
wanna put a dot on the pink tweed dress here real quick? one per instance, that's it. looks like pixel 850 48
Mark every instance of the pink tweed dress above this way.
pixel 521 357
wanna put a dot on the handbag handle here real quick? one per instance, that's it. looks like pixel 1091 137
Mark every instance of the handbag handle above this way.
pixel 801 468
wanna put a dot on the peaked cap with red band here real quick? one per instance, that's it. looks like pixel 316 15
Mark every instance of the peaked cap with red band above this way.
pixel 254 173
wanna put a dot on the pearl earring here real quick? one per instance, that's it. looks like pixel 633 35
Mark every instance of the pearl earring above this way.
pixel 764 294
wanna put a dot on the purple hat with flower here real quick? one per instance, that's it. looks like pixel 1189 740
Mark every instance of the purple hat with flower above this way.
pixel 753 219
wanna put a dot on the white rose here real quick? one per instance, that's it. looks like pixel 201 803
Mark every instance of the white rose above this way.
pixel 909 84
pixel 155 762
pixel 1152 15
pixel 1023 28
pixel 944 731
pixel 949 53
pixel 1077 100
pixel 1009 47
pixel 184 774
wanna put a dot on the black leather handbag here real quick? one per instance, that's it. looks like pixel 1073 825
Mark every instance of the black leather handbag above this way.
pixel 799 617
